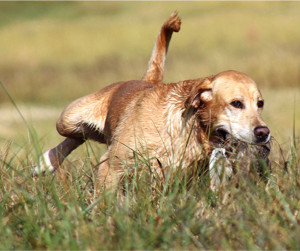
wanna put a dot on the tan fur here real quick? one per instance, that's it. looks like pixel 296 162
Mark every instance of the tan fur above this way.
pixel 171 123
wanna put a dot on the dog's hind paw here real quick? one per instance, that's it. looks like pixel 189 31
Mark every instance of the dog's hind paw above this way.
pixel 43 165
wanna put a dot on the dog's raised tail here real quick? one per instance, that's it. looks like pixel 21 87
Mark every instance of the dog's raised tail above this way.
pixel 155 71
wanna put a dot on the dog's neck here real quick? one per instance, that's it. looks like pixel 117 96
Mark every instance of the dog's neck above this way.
pixel 193 121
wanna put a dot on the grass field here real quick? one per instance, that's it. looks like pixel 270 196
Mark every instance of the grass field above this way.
pixel 53 53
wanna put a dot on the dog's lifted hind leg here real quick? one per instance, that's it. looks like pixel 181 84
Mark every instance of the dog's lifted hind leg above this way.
pixel 81 120
pixel 85 117
pixel 52 159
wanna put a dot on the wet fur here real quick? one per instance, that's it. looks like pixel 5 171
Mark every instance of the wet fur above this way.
pixel 169 124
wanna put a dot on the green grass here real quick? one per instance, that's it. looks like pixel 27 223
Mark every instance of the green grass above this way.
pixel 61 212
pixel 55 52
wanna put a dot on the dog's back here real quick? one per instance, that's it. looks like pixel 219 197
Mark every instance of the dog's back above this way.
pixel 121 98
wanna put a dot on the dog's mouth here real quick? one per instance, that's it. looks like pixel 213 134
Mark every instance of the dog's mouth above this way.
pixel 220 136
pixel 223 134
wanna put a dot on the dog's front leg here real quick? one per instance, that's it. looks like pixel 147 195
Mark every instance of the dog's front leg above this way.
pixel 109 172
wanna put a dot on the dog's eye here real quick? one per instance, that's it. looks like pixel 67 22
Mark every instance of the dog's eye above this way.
pixel 237 104
pixel 260 104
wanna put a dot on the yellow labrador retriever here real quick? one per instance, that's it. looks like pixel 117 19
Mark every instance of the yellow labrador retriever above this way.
pixel 166 125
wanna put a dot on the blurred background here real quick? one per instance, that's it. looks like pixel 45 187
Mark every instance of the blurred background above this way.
pixel 53 52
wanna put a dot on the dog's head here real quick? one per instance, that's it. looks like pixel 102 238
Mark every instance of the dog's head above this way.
pixel 231 104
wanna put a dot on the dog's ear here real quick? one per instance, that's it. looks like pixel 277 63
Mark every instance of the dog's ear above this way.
pixel 200 98
pixel 201 95
pixel 206 96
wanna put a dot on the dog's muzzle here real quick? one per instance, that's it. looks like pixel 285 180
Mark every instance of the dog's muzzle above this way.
pixel 221 136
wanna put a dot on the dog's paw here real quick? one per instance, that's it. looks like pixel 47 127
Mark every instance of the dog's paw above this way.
pixel 43 165
pixel 173 22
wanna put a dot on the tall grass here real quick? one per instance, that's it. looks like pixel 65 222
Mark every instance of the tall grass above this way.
pixel 145 211
pixel 61 212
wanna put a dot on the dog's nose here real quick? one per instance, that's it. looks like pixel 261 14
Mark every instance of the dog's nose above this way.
pixel 261 133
